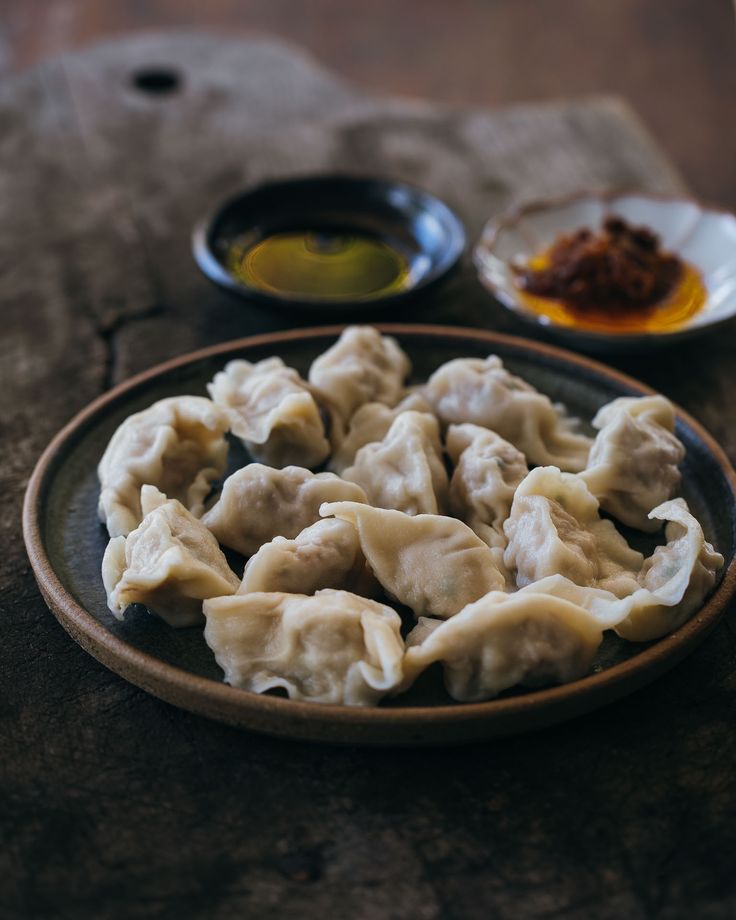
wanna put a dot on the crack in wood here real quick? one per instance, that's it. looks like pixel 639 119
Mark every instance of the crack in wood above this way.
pixel 107 332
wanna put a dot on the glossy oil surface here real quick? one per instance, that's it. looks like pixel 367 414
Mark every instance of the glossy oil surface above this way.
pixel 320 265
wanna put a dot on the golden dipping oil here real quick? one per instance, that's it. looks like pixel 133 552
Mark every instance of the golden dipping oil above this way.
pixel 320 265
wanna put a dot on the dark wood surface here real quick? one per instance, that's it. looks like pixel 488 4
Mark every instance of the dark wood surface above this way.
pixel 117 805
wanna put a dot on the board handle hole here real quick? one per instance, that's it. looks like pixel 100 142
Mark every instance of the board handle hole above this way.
pixel 156 81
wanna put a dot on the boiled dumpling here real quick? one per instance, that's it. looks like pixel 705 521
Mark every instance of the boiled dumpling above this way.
pixel 633 462
pixel 524 580
pixel 169 563
pixel 554 528
pixel 678 576
pixel 259 503
pixel 487 471
pixel 671 585
pixel 503 640
pixel 483 392
pixel 433 564
pixel 273 411
pixel 369 423
pixel 405 471
pixel 362 366
pixel 325 555
pixel 334 647
pixel 177 444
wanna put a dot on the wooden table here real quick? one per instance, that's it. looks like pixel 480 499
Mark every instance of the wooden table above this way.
pixel 117 805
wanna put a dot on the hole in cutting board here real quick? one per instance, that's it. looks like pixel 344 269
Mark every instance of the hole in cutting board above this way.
pixel 156 81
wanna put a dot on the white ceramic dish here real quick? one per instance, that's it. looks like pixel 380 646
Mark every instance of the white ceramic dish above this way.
pixel 704 237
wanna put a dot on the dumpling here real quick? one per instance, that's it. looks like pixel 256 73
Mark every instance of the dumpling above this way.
pixel 362 366
pixel 633 462
pixel 334 647
pixel 678 576
pixel 487 472
pixel 554 528
pixel 503 640
pixel 672 583
pixel 405 471
pixel 369 423
pixel 273 411
pixel 259 503
pixel 433 564
pixel 177 444
pixel 483 392
pixel 169 563
pixel 325 555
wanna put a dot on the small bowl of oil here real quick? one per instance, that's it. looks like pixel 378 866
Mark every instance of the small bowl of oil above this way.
pixel 702 240
pixel 328 243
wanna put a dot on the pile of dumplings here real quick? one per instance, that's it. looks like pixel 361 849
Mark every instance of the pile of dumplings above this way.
pixel 472 503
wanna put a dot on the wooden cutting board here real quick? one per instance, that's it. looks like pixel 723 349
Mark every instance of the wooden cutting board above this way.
pixel 102 181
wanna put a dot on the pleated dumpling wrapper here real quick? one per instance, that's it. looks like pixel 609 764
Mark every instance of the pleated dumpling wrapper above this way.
pixel 370 423
pixel 332 647
pixel 170 563
pixel 325 555
pixel 433 564
pixel 481 391
pixel 502 640
pixel 362 366
pixel 555 528
pixel 406 470
pixel 259 503
pixel 273 411
pixel 672 584
pixel 177 444
pixel 487 471
pixel 633 463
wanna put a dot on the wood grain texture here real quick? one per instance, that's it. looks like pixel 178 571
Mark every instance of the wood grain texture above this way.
pixel 673 60
pixel 116 805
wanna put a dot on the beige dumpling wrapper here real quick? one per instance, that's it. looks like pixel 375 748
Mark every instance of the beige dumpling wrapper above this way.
pixel 503 640
pixel 487 471
pixel 273 411
pixel 177 444
pixel 325 555
pixel 370 423
pixel 435 565
pixel 333 647
pixel 481 391
pixel 362 366
pixel 677 576
pixel 259 503
pixel 672 583
pixel 405 471
pixel 555 528
pixel 170 563
pixel 633 463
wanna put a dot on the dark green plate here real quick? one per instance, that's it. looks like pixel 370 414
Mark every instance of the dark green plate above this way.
pixel 65 543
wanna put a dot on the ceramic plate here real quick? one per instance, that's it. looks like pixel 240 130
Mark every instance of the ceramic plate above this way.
pixel 65 543
pixel 703 237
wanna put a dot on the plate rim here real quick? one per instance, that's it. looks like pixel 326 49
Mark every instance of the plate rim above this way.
pixel 348 724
